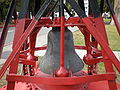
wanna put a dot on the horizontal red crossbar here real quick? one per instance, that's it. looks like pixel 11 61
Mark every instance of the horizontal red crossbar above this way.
pixel 45 47
pixel 23 56
pixel 27 62
pixel 80 47
pixel 40 48
pixel 59 80
pixel 47 22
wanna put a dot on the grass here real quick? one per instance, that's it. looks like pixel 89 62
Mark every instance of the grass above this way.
pixel 3 80
pixel 113 37
pixel 107 21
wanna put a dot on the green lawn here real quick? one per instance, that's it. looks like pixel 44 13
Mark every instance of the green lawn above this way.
pixel 107 21
pixel 113 37
pixel 3 80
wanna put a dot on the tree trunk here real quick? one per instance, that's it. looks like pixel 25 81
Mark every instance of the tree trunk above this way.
pixel 1 15
pixel 117 10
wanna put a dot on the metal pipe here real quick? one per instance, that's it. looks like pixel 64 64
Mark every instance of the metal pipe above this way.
pixel 62 34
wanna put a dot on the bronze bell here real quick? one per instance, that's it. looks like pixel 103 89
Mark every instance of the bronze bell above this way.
pixel 51 60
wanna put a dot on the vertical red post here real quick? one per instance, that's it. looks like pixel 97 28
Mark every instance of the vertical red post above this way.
pixel 13 70
pixel 62 72
pixel 32 43
pixel 14 65
pixel 108 64
pixel 62 42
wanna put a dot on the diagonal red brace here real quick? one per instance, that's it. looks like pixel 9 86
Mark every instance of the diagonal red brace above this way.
pixel 102 42
pixel 18 46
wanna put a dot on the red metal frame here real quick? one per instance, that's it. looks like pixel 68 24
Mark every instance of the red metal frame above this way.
pixel 29 28
pixel 63 80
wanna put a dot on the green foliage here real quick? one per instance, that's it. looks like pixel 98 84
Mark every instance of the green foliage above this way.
pixel 4 5
pixel 105 4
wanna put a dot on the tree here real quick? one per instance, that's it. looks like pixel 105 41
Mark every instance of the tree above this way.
pixel 117 9
pixel 4 4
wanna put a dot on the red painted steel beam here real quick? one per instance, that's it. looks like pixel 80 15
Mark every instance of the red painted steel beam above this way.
pixel 98 36
pixel 23 56
pixel 47 22
pixel 36 49
pixel 80 47
pixel 93 61
pixel 61 81
pixel 18 46
pixel 27 62
pixel 62 30
pixel 101 27
pixel 62 72
pixel 20 27
pixel 45 47
pixel 40 48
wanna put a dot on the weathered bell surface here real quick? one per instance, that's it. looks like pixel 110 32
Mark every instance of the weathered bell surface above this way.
pixel 51 60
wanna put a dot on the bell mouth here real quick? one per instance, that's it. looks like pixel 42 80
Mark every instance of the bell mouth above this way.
pixel 51 60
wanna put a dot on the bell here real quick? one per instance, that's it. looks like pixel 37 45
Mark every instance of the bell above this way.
pixel 51 60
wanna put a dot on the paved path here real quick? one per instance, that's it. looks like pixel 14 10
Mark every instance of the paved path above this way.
pixel 8 47
pixel 41 40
